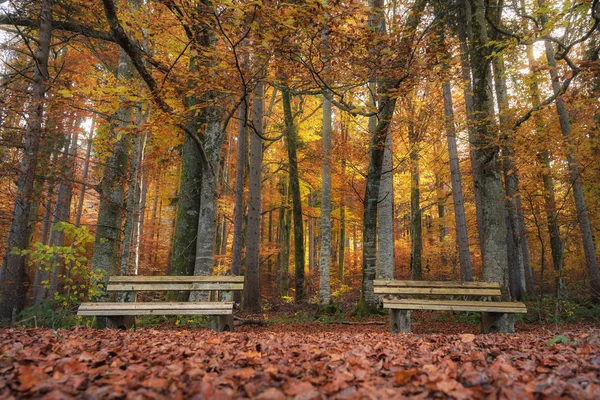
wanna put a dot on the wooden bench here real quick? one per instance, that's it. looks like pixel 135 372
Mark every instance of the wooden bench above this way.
pixel 122 314
pixel 491 311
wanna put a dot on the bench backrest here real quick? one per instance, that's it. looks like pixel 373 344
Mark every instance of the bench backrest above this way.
pixel 175 283
pixel 437 288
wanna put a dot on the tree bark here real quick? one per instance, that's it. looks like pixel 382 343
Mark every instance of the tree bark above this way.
pixel 385 214
pixel 416 224
pixel 12 271
pixel 291 135
pixel 238 210
pixel 589 249
pixel 105 259
pixel 325 253
pixel 515 237
pixel 462 236
pixel 252 278
pixel 494 245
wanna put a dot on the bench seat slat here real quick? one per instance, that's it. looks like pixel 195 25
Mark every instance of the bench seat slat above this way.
pixel 437 284
pixel 113 313
pixel 437 291
pixel 449 305
pixel 146 287
pixel 175 279
pixel 159 305
pixel 156 308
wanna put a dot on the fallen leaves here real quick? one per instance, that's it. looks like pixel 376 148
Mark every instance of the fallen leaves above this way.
pixel 302 361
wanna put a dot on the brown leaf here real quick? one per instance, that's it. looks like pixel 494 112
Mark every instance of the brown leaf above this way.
pixel 467 338
pixel 271 394
pixel 157 383
pixel 404 376
pixel 30 376
pixel 297 388
pixel 245 373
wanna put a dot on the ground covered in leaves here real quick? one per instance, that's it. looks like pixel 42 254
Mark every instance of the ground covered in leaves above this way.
pixel 304 361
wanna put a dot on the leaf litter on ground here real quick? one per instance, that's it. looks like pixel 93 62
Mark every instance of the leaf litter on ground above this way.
pixel 302 361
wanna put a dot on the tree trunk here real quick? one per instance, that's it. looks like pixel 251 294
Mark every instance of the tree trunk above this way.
pixel 12 272
pixel 385 214
pixel 589 249
pixel 386 106
pixel 238 209
pixel 464 14
pixel 325 253
pixel 291 135
pixel 516 266
pixel 252 278
pixel 494 246
pixel 183 254
pixel 105 259
pixel 462 236
pixel 416 224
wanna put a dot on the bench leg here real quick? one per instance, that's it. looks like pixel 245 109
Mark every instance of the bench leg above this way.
pixel 399 321
pixel 497 323
pixel 120 322
pixel 222 323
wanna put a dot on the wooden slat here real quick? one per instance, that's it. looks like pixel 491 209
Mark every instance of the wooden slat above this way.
pixel 454 302
pixel 144 287
pixel 437 284
pixel 437 291
pixel 159 305
pixel 175 279
pixel 162 308
pixel 440 305
pixel 112 313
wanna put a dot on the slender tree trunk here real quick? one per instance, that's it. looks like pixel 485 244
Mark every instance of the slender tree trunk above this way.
pixel 284 229
pixel 342 258
pixel 238 210
pixel 416 223
pixel 589 249
pixel 62 208
pixel 152 248
pixel 84 176
pixel 516 266
pixel 252 278
pixel 12 271
pixel 291 135
pixel 462 236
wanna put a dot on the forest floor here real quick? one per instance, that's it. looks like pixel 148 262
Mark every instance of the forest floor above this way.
pixel 302 360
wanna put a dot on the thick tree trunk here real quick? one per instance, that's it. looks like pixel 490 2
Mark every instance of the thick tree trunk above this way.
pixel 252 278
pixel 183 254
pixel 207 218
pixel 291 135
pixel 105 259
pixel 132 208
pixel 385 214
pixel 12 271
pixel 494 254
pixel 464 14
pixel 386 106
pixel 325 253
pixel 589 249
